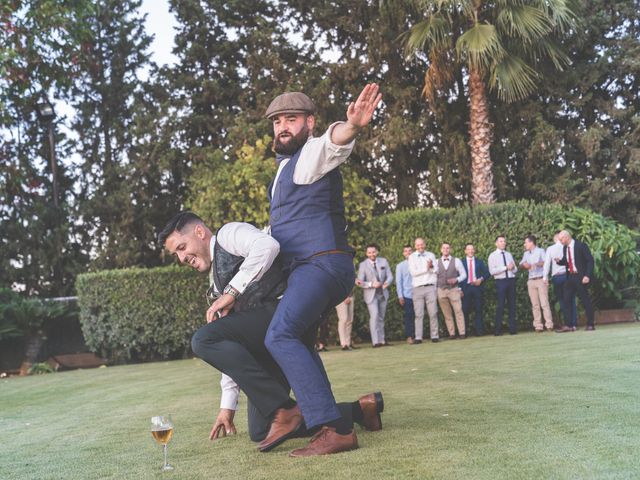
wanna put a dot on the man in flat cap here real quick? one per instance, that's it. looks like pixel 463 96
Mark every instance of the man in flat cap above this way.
pixel 307 219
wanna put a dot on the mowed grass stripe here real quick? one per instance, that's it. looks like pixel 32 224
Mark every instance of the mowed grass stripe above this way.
pixel 556 406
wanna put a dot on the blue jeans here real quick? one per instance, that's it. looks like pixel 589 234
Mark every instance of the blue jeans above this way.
pixel 558 287
pixel 315 286
pixel 409 318
pixel 506 292
pixel 473 299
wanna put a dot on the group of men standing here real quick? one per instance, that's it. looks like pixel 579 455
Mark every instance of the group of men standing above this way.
pixel 424 281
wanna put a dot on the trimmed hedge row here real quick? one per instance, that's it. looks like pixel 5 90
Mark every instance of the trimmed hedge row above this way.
pixel 146 314
pixel 141 314
pixel 613 246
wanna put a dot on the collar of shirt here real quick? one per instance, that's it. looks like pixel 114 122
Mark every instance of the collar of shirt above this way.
pixel 212 244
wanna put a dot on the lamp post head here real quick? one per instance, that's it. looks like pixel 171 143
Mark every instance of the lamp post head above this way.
pixel 45 111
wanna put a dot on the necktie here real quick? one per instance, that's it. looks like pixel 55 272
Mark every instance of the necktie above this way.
pixel 375 269
pixel 471 270
pixel 571 269
pixel 504 260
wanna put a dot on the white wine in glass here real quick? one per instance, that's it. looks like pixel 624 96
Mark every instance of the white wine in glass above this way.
pixel 162 431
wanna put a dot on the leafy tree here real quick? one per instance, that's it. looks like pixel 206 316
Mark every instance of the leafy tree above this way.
pixel 113 48
pixel 38 247
pixel 499 45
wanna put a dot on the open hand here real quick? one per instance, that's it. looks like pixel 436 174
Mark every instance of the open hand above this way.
pixel 223 425
pixel 359 113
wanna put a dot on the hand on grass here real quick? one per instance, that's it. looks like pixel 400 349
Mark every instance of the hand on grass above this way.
pixel 223 425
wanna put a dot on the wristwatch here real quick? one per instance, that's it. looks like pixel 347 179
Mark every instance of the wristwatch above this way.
pixel 231 291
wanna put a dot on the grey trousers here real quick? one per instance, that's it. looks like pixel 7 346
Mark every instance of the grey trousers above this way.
pixel 426 295
pixel 377 309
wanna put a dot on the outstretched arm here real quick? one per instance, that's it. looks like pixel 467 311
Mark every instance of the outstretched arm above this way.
pixel 359 114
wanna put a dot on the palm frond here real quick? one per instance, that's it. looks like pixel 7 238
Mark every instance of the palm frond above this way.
pixel 547 48
pixel 513 79
pixel 430 33
pixel 481 45
pixel 524 21
pixel 563 14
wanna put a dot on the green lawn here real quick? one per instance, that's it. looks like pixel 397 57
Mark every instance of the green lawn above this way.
pixel 532 406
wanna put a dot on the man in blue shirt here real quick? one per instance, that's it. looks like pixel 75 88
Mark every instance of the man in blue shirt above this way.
pixel 404 286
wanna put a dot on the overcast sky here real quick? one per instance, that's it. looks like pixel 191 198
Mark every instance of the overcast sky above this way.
pixel 160 23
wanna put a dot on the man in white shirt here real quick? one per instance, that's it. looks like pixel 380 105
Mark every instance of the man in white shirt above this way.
pixel 450 274
pixel 240 260
pixel 374 277
pixel 558 278
pixel 424 272
pixel 533 262
pixel 503 269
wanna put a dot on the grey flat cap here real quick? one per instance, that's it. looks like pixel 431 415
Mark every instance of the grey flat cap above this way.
pixel 290 102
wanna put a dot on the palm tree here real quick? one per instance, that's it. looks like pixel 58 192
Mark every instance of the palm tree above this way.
pixel 499 44
pixel 30 316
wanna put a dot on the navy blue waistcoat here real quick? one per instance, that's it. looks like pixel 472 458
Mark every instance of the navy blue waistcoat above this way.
pixel 308 219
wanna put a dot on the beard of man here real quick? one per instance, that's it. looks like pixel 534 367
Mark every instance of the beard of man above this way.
pixel 294 144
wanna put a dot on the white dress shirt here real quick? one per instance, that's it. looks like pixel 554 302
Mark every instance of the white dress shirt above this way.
pixel 422 275
pixel 259 250
pixel 462 275
pixel 497 266
pixel 245 240
pixel 550 265
pixel 318 157
pixel 571 254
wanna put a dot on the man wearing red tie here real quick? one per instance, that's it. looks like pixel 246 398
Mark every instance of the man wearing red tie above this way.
pixel 579 262
pixel 473 288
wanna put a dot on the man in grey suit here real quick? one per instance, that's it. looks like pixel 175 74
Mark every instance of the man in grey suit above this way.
pixel 374 276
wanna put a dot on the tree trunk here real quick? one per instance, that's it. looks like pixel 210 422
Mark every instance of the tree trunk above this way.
pixel 32 344
pixel 480 137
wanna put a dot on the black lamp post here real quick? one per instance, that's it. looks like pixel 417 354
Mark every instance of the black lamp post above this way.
pixel 46 115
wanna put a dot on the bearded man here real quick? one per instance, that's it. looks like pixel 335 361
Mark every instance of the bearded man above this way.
pixel 307 219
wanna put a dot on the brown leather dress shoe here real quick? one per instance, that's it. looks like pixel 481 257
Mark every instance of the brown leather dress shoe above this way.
pixel 372 406
pixel 410 341
pixel 564 329
pixel 327 441
pixel 284 425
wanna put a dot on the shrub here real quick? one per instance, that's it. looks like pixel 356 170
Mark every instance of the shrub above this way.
pixel 141 314
pixel 40 369
pixel 613 246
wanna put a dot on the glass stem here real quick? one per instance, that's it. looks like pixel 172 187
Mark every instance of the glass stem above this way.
pixel 164 448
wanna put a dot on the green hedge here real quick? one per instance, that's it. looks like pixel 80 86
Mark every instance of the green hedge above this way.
pixel 146 314
pixel 141 314
pixel 613 246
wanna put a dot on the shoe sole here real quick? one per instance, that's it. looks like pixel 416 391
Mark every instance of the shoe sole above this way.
pixel 379 401
pixel 281 440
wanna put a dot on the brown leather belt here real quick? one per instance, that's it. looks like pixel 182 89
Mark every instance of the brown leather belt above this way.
pixel 329 252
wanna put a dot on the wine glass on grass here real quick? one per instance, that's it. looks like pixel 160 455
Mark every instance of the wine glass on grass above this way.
pixel 162 431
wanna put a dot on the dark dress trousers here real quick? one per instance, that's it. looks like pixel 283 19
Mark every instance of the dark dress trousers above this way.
pixel 473 294
pixel 582 264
